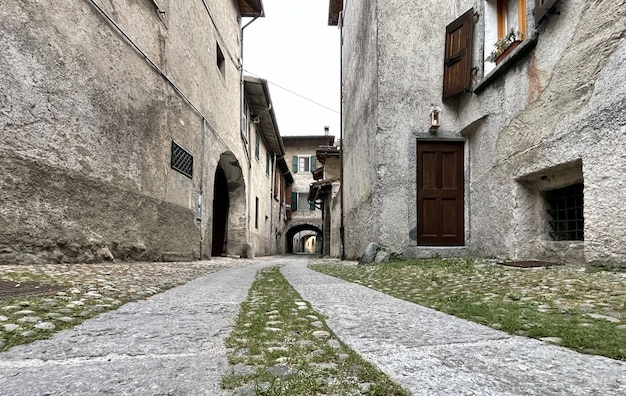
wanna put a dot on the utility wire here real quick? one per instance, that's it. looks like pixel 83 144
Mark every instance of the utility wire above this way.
pixel 293 93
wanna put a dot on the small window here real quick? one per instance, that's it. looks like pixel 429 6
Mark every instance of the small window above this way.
pixel 301 201
pixel 245 126
pixel 303 163
pixel 267 163
pixel 566 212
pixel 221 61
pixel 257 145
pixel 457 69
pixel 505 29
pixel 181 160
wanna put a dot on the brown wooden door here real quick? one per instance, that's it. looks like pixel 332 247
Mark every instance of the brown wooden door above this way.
pixel 440 194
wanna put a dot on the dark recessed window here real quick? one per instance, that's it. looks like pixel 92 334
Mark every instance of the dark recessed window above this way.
pixel 182 160
pixel 220 58
pixel 566 212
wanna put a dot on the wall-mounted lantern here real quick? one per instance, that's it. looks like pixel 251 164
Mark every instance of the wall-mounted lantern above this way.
pixel 435 117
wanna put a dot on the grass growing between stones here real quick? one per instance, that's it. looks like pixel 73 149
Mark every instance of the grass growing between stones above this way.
pixel 84 291
pixel 280 346
pixel 569 306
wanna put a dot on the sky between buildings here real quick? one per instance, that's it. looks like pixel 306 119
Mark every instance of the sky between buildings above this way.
pixel 295 50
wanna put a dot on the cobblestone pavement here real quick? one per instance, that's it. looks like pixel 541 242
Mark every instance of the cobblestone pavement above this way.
pixel 431 353
pixel 172 342
pixel 85 290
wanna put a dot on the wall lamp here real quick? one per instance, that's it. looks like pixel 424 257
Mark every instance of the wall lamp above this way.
pixel 435 117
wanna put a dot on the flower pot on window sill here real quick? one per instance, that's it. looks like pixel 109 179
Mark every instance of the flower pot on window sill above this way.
pixel 507 51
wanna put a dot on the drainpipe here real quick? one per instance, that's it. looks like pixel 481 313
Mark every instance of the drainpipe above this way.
pixel 342 233
pixel 241 126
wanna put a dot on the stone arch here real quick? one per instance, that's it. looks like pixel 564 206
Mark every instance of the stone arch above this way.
pixel 300 227
pixel 229 219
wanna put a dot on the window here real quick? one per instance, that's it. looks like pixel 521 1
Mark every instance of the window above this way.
pixel 267 163
pixel 257 145
pixel 511 15
pixel 566 212
pixel 457 69
pixel 303 163
pixel 505 28
pixel 542 8
pixel 181 160
pixel 221 61
pixel 301 200
pixel 245 127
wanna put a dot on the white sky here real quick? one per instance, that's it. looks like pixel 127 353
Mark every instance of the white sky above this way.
pixel 294 48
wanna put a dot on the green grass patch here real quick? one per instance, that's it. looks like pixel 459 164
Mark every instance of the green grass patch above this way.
pixel 544 302
pixel 273 349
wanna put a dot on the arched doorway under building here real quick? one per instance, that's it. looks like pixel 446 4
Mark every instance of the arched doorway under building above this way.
pixel 229 207
pixel 220 213
pixel 304 239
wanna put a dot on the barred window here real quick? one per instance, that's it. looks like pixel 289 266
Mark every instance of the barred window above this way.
pixel 181 160
pixel 566 211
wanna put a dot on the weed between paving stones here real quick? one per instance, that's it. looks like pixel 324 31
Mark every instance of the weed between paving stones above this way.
pixel 570 306
pixel 86 291
pixel 280 346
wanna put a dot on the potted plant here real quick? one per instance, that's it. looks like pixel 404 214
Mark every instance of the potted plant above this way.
pixel 504 46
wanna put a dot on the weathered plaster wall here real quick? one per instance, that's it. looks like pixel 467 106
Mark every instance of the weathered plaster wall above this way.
pixel 87 124
pixel 261 184
pixel 360 126
pixel 556 112
pixel 563 104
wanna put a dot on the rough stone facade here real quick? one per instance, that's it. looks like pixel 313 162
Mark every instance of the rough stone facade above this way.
pixel 93 93
pixel 549 116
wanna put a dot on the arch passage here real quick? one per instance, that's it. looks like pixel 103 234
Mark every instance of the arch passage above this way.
pixel 304 238
pixel 229 207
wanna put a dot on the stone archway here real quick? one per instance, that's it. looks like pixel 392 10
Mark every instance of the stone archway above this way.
pixel 306 234
pixel 229 207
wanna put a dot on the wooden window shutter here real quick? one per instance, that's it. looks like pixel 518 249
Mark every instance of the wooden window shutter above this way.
pixel 457 66
pixel 313 163
pixel 294 201
pixel 541 9
pixel 294 163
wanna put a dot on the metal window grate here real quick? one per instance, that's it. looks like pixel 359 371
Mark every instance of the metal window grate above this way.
pixel 566 210
pixel 182 160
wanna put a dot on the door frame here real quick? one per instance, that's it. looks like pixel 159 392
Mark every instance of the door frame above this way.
pixel 463 185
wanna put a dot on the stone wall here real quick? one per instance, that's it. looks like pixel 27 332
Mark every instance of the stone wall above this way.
pixel 360 59
pixel 87 125
pixel 549 117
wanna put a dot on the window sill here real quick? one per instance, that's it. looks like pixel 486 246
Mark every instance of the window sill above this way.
pixel 518 53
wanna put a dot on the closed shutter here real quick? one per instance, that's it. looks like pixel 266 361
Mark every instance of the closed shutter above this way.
pixel 288 201
pixel 457 68
pixel 313 164
pixel 294 201
pixel 294 162
pixel 541 9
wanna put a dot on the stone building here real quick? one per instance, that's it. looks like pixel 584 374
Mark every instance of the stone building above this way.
pixel 447 152
pixel 304 232
pixel 269 173
pixel 121 130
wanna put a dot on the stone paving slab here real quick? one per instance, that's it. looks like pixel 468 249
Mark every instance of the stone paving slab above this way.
pixel 171 343
pixel 431 353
